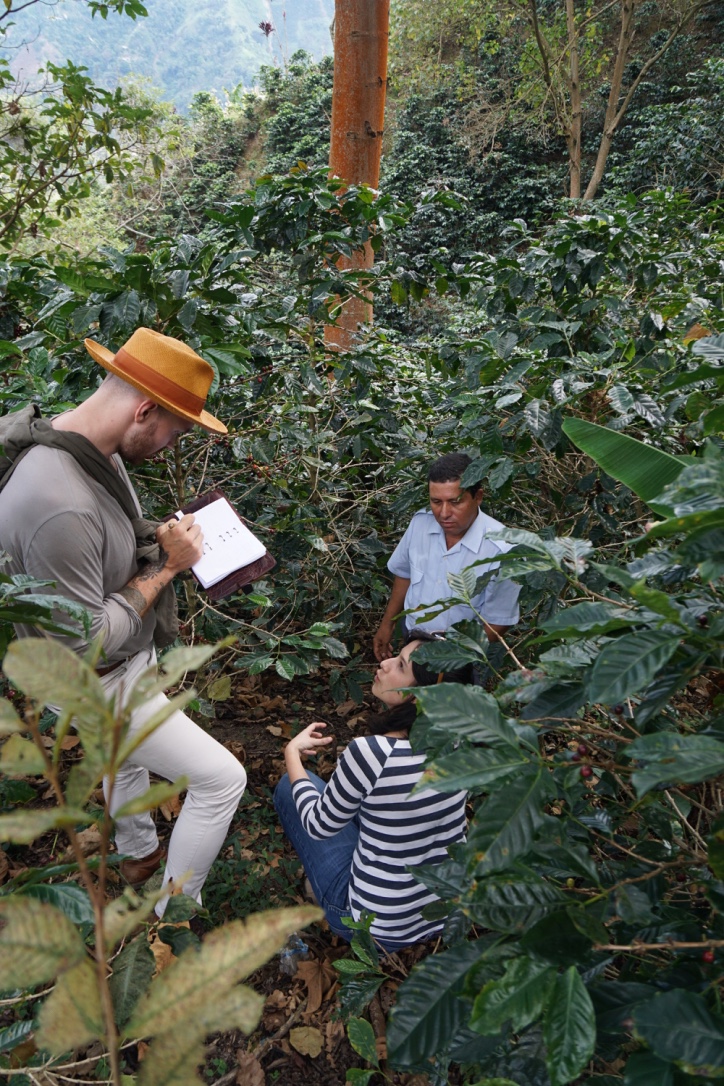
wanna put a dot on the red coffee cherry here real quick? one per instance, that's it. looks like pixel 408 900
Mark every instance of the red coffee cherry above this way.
pixel 586 771
pixel 708 956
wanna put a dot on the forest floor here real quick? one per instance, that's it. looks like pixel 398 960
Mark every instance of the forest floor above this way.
pixel 301 1039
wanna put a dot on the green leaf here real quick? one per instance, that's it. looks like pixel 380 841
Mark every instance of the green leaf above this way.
pixel 678 1026
pixel 362 1038
pixel 21 758
pixel 11 1036
pixel 36 942
pixel 465 712
pixel 626 665
pixel 350 966
pixel 470 770
pixel 356 992
pixel 668 757
pixel 153 797
pixel 398 292
pixel 67 897
pixel 71 1015
pixel 505 827
pixel 715 841
pixel 428 1012
pixel 641 468
pixel 589 618
pixel 519 997
pixel 645 1069
pixel 555 939
pixel 132 972
pixel 569 1029
pixel 356 1076
pixel 513 902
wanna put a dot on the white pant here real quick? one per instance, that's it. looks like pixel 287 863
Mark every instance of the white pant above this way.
pixel 178 747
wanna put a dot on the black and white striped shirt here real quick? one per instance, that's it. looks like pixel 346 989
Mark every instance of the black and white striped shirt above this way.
pixel 373 780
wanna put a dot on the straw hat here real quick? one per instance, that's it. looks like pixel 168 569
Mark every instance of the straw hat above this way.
pixel 168 371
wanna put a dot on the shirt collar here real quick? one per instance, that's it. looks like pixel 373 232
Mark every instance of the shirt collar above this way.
pixel 472 538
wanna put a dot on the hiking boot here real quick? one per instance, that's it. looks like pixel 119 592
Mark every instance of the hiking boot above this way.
pixel 136 872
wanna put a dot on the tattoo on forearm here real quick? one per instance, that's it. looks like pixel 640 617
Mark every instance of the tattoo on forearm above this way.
pixel 147 572
pixel 136 599
pixel 150 569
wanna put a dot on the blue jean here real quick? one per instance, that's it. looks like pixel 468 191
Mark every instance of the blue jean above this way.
pixel 327 863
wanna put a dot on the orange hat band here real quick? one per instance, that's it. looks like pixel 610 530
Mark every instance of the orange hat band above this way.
pixel 156 383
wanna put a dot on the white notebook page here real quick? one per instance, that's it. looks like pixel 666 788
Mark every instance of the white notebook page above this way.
pixel 228 544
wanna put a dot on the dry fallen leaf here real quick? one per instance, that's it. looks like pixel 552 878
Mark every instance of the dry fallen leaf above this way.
pixel 4 865
pixel 274 730
pixel 320 979
pixel 250 1071
pixel 237 749
pixel 89 841
pixel 345 707
pixel 69 742
pixel 171 808
pixel 307 1040
pixel 333 1035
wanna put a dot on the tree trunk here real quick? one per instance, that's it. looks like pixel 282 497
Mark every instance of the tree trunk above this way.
pixel 613 116
pixel 574 132
pixel 361 31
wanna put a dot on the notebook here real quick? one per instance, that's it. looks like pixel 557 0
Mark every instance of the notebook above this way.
pixel 233 556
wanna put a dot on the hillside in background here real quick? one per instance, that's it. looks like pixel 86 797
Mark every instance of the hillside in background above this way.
pixel 183 46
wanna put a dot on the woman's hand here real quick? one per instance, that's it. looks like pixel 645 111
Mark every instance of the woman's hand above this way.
pixel 308 741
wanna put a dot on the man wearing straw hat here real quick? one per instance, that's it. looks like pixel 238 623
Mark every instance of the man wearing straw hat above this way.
pixel 69 514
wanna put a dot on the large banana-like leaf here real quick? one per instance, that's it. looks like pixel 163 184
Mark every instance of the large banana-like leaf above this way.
pixel 641 468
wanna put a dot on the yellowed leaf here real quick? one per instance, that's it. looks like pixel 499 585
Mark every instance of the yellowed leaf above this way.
pixel 9 720
pixel 171 1060
pixel 307 1040
pixel 182 999
pixel 220 689
pixel 71 1015
pixel 36 943
pixel 20 757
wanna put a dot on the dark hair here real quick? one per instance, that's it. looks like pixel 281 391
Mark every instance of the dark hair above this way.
pixel 450 468
pixel 402 717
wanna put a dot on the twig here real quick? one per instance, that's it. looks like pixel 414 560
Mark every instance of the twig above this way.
pixel 685 824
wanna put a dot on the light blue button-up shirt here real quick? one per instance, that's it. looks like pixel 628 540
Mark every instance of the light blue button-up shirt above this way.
pixel 422 557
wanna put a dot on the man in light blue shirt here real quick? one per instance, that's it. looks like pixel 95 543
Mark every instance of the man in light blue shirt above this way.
pixel 447 538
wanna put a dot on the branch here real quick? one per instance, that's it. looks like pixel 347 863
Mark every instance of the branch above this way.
pixel 670 944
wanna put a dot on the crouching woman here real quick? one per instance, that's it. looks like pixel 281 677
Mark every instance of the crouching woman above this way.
pixel 358 835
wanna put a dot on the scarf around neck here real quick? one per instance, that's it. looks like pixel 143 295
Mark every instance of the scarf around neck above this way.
pixel 24 429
